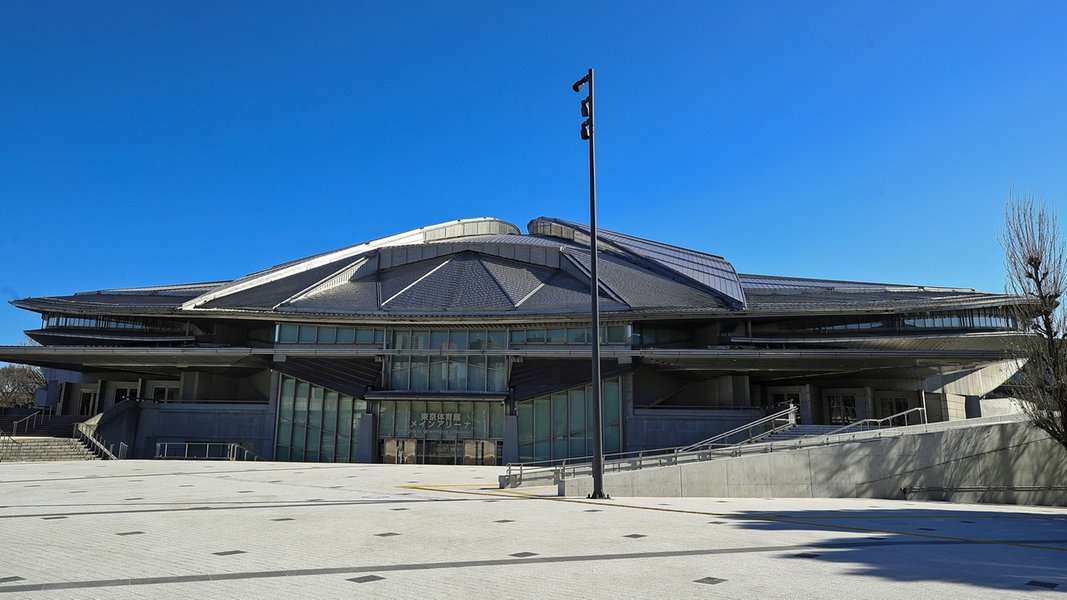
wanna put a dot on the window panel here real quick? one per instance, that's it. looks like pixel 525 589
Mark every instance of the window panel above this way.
pixel 576 411
pixel 438 339
pixel 559 414
pixel 420 340
pixel 327 335
pixel 386 410
pixel 315 407
pixel 497 338
pixel 577 335
pixel 457 373
pixel 524 414
pixel 398 378
pixel 308 334
pixel 439 373
pixel 476 340
pixel 329 411
pixel 287 334
pixel 497 373
pixel 420 373
pixel 457 339
pixel 476 373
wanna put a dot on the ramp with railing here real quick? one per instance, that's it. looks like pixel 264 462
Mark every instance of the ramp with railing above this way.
pixel 551 472
pixel 760 439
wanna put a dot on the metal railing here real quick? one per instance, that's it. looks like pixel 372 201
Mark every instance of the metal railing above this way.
pixel 558 469
pixel 890 421
pixel 204 451
pixel 87 434
pixel 38 416
pixel 7 444
pixel 517 474
pixel 756 430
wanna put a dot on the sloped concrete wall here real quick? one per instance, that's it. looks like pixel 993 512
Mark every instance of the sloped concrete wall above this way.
pixel 1005 455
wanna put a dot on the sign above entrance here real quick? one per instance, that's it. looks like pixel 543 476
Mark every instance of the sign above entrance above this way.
pixel 440 421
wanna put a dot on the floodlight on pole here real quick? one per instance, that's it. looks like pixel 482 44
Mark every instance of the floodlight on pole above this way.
pixel 587 131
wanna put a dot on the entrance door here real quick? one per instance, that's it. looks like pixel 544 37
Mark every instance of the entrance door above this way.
pixel 440 452
pixel 479 452
pixel 87 404
pixel 399 451
pixel 893 406
pixel 124 393
pixel 842 408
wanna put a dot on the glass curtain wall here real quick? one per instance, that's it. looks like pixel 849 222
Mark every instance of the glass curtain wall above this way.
pixel 440 420
pixel 316 424
pixel 456 372
pixel 560 425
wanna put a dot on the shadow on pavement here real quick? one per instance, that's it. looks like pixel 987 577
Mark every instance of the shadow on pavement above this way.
pixel 1005 550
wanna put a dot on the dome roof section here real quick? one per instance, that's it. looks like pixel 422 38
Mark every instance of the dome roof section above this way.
pixel 281 281
pixel 472 267
pixel 712 273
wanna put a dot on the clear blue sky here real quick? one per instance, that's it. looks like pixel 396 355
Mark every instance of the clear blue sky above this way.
pixel 146 143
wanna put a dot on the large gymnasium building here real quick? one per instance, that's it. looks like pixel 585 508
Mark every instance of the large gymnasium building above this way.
pixel 469 342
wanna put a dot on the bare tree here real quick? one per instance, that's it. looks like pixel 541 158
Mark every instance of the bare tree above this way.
pixel 19 383
pixel 1036 263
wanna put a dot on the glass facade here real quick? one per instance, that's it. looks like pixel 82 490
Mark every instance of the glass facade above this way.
pixel 316 424
pixel 440 420
pixel 966 320
pixel 449 372
pixel 610 334
pixel 560 425
pixel 289 333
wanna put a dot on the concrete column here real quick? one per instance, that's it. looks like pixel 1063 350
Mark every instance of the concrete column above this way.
pixel 956 407
pixel 367 444
pixel 511 439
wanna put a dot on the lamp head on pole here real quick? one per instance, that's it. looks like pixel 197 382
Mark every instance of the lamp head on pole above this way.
pixel 578 85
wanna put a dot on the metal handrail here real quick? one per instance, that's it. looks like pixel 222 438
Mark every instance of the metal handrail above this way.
pixel 560 473
pixel 789 413
pixel 43 413
pixel 99 444
pixel 866 423
pixel 558 468
pixel 17 445
pixel 232 451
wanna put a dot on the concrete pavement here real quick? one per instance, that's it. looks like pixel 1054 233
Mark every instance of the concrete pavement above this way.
pixel 183 529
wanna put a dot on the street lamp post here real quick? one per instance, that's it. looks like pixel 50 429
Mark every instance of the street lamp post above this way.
pixel 587 133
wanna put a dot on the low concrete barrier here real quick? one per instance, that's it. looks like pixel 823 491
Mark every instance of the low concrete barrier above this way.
pixel 1009 463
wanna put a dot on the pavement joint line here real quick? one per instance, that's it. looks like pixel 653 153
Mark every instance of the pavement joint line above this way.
pixel 767 518
pixel 492 563
pixel 198 506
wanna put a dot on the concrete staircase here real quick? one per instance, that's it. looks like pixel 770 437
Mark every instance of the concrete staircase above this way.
pixel 800 431
pixel 33 449
pixel 61 426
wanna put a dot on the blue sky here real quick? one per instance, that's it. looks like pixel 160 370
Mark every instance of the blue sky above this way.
pixel 146 143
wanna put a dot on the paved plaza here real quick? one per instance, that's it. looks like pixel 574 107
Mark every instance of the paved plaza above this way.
pixel 176 529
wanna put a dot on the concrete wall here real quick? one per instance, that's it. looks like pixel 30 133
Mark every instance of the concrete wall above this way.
pixel 1012 456
pixel 222 423
pixel 648 429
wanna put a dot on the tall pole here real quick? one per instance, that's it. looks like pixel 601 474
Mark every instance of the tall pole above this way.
pixel 588 133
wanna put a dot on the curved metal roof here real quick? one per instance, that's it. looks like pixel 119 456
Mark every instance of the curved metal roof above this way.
pixel 485 268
